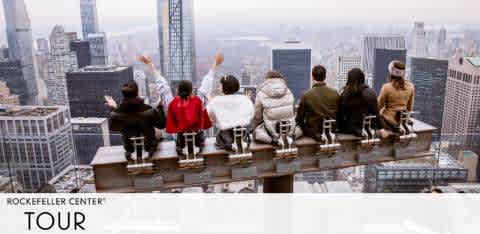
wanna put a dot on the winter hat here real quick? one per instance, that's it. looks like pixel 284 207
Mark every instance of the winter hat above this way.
pixel 396 68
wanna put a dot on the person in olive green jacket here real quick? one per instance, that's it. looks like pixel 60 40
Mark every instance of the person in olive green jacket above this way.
pixel 316 105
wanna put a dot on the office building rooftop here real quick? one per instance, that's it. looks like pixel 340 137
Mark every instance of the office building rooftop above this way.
pixel 27 111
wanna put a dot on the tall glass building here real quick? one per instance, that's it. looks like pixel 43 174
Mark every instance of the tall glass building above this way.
pixel 176 34
pixel 88 11
pixel 429 77
pixel 294 60
pixel 382 58
pixel 20 44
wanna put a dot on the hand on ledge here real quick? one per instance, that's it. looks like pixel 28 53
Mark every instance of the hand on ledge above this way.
pixel 110 103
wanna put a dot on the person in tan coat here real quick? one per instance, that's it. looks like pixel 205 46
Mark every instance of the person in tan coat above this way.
pixel 395 96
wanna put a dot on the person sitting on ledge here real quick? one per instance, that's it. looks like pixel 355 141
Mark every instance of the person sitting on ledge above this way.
pixel 317 105
pixel 229 111
pixel 134 118
pixel 274 103
pixel 356 102
pixel 395 96
pixel 186 113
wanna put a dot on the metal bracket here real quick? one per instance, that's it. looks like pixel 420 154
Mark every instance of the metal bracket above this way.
pixel 288 149
pixel 241 148
pixel 329 139
pixel 139 165
pixel 193 159
pixel 369 137
pixel 406 128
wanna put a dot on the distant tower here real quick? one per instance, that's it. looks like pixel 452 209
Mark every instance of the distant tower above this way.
pixel 88 10
pixel 442 43
pixel 60 61
pixel 176 34
pixel 294 60
pixel 98 48
pixel 419 40
pixel 343 66
pixel 20 44
pixel 380 41
pixel 461 122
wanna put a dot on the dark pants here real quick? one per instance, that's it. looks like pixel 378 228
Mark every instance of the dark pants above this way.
pixel 225 138
pixel 199 140
pixel 149 145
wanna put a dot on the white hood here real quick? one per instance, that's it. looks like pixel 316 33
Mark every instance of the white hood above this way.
pixel 231 111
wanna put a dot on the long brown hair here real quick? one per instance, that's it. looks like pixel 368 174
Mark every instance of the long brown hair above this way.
pixel 398 82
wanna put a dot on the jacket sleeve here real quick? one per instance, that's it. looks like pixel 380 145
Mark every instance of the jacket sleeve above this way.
pixel 411 100
pixel 114 124
pixel 258 118
pixel 382 98
pixel 301 112
pixel 159 120
pixel 206 87
pixel 163 89
pixel 205 122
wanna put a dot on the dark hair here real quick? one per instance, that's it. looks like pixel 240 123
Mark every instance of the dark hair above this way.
pixel 274 74
pixel 230 85
pixel 130 89
pixel 319 73
pixel 398 82
pixel 185 89
pixel 355 82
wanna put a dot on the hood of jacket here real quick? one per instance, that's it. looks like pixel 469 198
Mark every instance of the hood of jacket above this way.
pixel 274 87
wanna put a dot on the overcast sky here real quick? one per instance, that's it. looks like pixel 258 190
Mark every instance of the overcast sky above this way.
pixel 142 13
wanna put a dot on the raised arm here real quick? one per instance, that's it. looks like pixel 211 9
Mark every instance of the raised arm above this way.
pixel 206 87
pixel 162 86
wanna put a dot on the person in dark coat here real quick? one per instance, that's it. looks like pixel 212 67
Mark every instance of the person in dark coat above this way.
pixel 186 113
pixel 133 118
pixel 317 105
pixel 356 102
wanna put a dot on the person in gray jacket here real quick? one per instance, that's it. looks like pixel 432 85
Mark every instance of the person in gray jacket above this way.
pixel 274 103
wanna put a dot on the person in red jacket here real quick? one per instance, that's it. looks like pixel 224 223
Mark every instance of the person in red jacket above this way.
pixel 186 113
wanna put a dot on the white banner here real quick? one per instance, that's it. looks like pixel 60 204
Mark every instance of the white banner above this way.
pixel 252 213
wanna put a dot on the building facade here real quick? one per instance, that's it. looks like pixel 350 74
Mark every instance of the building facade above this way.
pixel 461 115
pixel 294 60
pixel 419 40
pixel 382 58
pixel 11 73
pixel 82 50
pixel 98 48
pixel 6 98
pixel 60 61
pixel 88 86
pixel 176 34
pixel 343 66
pixel 89 134
pixel 36 143
pixel 380 41
pixel 429 77
pixel 88 11
pixel 20 45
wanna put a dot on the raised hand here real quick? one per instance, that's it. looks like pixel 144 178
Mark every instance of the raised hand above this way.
pixel 110 103
pixel 219 58
pixel 145 59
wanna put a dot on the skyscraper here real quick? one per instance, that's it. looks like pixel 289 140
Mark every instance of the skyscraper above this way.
pixel 36 142
pixel 98 48
pixel 461 115
pixel 442 43
pixel 89 134
pixel 60 61
pixel 11 73
pixel 382 59
pixel 20 45
pixel 419 40
pixel 42 45
pixel 88 86
pixel 6 98
pixel 82 50
pixel 176 34
pixel 343 66
pixel 429 77
pixel 380 41
pixel 294 60
pixel 88 11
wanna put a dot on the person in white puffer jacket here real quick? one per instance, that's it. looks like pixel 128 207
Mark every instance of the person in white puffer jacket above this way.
pixel 274 103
